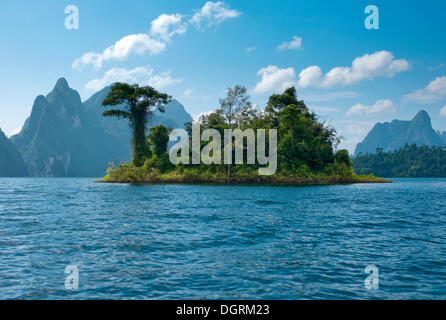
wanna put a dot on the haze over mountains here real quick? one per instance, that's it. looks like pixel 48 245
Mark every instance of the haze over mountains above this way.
pixel 65 137
pixel 393 135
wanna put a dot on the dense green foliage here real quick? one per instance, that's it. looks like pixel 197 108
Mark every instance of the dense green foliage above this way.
pixel 158 139
pixel 409 161
pixel 302 139
pixel 137 103
pixel 305 147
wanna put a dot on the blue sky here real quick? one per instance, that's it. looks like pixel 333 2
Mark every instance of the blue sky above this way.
pixel 351 76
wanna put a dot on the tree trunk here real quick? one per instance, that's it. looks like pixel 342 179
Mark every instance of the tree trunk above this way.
pixel 230 160
pixel 229 174
pixel 139 140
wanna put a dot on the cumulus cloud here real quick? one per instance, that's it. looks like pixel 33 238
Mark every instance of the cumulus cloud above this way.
pixel 368 66
pixel 166 26
pixel 213 13
pixel 155 41
pixel 434 91
pixel 162 80
pixel 309 77
pixel 443 112
pixel 139 44
pixel 274 79
pixel 381 106
pixel 140 75
pixel 294 44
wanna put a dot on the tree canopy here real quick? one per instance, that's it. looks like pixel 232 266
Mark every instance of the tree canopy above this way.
pixel 407 162
pixel 306 147
pixel 158 140
pixel 135 104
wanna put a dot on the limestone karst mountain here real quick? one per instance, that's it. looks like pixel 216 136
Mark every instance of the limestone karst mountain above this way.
pixel 11 162
pixel 65 137
pixel 390 136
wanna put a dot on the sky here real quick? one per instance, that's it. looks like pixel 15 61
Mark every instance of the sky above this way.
pixel 351 76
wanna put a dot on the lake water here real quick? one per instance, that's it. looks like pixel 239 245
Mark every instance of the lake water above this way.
pixel 219 242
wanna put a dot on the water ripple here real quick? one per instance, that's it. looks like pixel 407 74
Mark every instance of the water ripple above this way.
pixel 211 242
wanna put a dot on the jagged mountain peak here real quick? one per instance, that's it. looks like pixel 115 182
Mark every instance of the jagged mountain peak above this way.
pixel 62 89
pixel 394 135
pixel 422 118
pixel 40 99
pixel 65 137
pixel 61 84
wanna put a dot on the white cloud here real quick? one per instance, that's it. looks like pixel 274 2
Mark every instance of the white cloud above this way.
pixel 162 29
pixel 132 44
pixel 188 92
pixel 368 66
pixel 381 106
pixel 309 77
pixel 294 44
pixel 274 79
pixel 434 91
pixel 213 13
pixel 162 80
pixel 250 49
pixel 139 75
pixel 136 75
pixel 166 26
pixel 443 112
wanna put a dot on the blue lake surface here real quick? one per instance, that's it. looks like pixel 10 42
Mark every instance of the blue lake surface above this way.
pixel 219 242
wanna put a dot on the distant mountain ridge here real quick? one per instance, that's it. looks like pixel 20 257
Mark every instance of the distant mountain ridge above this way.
pixel 65 137
pixel 390 136
pixel 443 136
pixel 11 162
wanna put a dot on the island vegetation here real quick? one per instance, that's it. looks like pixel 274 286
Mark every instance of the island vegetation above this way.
pixel 306 147
pixel 408 162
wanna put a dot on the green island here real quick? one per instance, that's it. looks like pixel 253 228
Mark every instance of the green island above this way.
pixel 410 161
pixel 306 147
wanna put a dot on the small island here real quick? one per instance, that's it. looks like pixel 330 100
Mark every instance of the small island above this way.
pixel 305 148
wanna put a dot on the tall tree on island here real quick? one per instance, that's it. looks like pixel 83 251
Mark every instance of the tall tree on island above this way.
pixel 235 103
pixel 136 105
pixel 158 140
